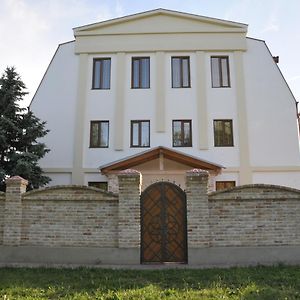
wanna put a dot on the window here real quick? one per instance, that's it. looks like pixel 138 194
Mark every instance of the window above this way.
pixel 101 73
pixel 223 133
pixel 222 185
pixel 182 133
pixel 140 73
pixel 99 134
pixel 140 134
pixel 220 71
pixel 181 72
pixel 103 185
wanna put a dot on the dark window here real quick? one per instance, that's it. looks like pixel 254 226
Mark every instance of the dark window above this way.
pixel 99 184
pixel 223 133
pixel 220 71
pixel 140 134
pixel 101 73
pixel 222 185
pixel 140 73
pixel 182 133
pixel 181 72
pixel 99 134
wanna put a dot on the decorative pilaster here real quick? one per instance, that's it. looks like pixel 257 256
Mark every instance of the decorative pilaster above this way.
pixel 15 187
pixel 129 209
pixel 197 208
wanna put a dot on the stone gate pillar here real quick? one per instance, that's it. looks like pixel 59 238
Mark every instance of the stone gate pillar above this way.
pixel 129 209
pixel 197 211
pixel 15 187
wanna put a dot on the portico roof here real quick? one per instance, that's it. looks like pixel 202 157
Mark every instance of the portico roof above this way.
pixel 154 153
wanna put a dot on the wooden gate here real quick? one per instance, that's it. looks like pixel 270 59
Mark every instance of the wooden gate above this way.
pixel 163 224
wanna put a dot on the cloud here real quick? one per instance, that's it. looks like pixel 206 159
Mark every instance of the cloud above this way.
pixel 31 31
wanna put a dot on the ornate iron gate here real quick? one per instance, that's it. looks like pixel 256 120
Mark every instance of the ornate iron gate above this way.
pixel 163 224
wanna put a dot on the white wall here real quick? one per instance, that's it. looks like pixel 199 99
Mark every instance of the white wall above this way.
pixel 55 102
pixel 273 135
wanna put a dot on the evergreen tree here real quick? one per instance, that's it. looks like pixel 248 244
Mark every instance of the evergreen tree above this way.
pixel 20 130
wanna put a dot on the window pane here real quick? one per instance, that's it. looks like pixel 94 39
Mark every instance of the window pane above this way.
pixel 228 133
pixel 104 134
pixel 105 74
pixel 135 134
pixel 145 72
pixel 185 72
pixel 145 134
pixel 94 134
pixel 215 73
pixel 97 67
pixel 225 79
pixel 176 78
pixel 135 75
pixel 218 133
pixel 177 137
pixel 187 134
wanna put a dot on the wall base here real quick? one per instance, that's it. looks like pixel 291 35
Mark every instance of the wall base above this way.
pixel 244 256
pixel 69 255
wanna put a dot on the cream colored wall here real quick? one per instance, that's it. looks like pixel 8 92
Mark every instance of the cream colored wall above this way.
pixel 258 95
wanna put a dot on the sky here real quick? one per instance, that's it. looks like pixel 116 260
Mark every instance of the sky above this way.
pixel 30 30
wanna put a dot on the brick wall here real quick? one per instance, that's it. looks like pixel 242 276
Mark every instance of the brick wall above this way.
pixel 2 198
pixel 255 215
pixel 70 216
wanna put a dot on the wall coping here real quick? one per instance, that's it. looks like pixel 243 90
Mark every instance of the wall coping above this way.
pixel 197 172
pixel 61 187
pixel 240 188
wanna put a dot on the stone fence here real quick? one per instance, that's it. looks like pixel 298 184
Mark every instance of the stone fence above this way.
pixel 77 224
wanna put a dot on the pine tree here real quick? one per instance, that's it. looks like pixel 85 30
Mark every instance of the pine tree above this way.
pixel 20 130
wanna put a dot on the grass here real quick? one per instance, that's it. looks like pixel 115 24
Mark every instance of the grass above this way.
pixel 280 282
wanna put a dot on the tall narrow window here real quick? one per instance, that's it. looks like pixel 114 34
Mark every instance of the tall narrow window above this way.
pixel 140 73
pixel 220 71
pixel 181 72
pixel 99 134
pixel 223 133
pixel 140 134
pixel 101 73
pixel 182 133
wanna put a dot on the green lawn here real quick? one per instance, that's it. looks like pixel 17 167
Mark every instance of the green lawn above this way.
pixel 83 283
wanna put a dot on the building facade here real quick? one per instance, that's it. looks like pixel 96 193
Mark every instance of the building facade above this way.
pixel 163 92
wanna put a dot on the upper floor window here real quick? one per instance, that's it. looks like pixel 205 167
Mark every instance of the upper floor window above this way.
pixel 181 72
pixel 99 134
pixel 222 185
pixel 101 73
pixel 182 133
pixel 140 133
pixel 140 73
pixel 220 71
pixel 223 133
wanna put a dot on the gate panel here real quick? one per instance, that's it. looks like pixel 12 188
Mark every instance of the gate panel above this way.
pixel 163 224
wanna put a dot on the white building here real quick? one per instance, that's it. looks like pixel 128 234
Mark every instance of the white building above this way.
pixel 163 92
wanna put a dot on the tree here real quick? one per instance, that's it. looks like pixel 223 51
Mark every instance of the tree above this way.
pixel 20 130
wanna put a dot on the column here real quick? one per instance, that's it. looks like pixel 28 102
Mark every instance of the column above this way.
pixel 129 209
pixel 15 187
pixel 197 209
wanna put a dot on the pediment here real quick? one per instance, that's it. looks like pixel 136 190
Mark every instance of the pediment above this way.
pixel 160 21
pixel 173 160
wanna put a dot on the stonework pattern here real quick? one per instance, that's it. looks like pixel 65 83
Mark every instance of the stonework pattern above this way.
pixel 197 208
pixel 129 209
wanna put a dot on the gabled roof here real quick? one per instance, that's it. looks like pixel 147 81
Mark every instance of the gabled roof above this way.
pixel 189 23
pixel 155 153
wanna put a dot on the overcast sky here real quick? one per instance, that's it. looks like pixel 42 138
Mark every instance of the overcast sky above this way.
pixel 30 30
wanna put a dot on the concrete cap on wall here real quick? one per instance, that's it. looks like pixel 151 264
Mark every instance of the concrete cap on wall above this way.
pixel 129 172
pixel 197 172
pixel 16 180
